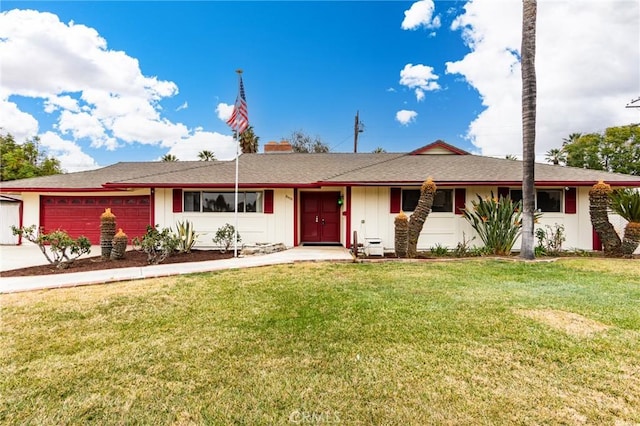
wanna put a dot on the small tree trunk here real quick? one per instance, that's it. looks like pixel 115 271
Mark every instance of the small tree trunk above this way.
pixel 419 216
pixel 119 245
pixel 401 233
pixel 631 239
pixel 598 205
pixel 107 232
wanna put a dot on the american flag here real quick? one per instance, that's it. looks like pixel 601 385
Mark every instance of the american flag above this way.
pixel 239 120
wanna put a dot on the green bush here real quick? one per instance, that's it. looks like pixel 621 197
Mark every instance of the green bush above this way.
pixel 224 237
pixel 57 246
pixel 626 203
pixel 550 240
pixel 497 222
pixel 158 245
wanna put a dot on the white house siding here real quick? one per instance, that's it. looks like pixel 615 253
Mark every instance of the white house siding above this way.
pixel 253 227
pixel 370 216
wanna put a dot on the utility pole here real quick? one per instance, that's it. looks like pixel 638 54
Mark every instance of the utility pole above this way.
pixel 357 128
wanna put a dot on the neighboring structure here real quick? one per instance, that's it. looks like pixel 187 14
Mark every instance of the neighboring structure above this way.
pixel 299 199
pixel 10 210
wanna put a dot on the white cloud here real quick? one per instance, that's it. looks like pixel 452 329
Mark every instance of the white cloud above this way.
pixel 587 69
pixel 420 78
pixel 91 92
pixel 224 111
pixel 185 105
pixel 20 124
pixel 420 14
pixel 186 149
pixel 405 117
pixel 70 154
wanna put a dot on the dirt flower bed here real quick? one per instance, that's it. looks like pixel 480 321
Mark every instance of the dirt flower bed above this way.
pixel 132 259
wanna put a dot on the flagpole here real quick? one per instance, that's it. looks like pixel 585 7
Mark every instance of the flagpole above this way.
pixel 235 227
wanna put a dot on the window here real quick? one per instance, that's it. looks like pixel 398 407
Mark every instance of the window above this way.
pixel 442 201
pixel 547 200
pixel 219 202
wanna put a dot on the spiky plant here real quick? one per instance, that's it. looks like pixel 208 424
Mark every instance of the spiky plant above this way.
pixel 401 223
pixel 119 245
pixel 626 203
pixel 417 219
pixel 599 203
pixel 107 232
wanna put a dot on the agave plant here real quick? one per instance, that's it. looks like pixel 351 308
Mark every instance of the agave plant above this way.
pixel 186 235
pixel 626 203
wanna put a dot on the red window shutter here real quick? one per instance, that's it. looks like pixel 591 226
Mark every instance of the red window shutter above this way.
pixel 268 201
pixel 461 198
pixel 396 200
pixel 570 201
pixel 177 200
pixel 503 192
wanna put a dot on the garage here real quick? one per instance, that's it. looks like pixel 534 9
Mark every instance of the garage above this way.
pixel 81 215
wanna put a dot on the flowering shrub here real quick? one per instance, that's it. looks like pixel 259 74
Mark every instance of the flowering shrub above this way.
pixel 62 249
pixel 158 245
pixel 497 222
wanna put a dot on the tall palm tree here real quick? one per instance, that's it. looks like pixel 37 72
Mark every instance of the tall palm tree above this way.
pixel 556 156
pixel 573 137
pixel 206 155
pixel 528 64
pixel 248 141
pixel 169 157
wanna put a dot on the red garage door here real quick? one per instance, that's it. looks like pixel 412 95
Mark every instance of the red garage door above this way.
pixel 81 215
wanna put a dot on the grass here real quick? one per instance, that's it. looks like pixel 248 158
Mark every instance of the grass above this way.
pixel 482 341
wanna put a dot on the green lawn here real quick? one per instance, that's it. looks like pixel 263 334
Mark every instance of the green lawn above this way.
pixel 452 342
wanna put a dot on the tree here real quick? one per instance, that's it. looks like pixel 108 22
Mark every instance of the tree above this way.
pixel 206 155
pixel 19 161
pixel 169 158
pixel 510 157
pixel 617 150
pixel 529 91
pixel 301 142
pixel 556 156
pixel 419 216
pixel 248 141
pixel 379 150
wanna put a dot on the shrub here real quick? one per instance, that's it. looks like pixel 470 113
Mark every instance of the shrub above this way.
pixel 57 246
pixel 463 249
pixel 186 235
pixel 224 237
pixel 497 222
pixel 550 240
pixel 158 245
pixel 439 250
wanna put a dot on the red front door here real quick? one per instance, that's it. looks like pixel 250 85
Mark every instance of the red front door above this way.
pixel 320 217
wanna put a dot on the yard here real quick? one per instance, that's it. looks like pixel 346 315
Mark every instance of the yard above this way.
pixel 438 342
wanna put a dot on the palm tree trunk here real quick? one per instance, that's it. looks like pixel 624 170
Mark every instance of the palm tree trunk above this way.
pixel 528 54
pixel 417 219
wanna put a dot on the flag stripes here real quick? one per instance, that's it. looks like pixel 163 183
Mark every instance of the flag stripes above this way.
pixel 239 120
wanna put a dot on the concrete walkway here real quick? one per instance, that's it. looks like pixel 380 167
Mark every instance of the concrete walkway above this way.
pixel 12 257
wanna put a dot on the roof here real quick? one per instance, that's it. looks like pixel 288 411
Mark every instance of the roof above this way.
pixel 314 170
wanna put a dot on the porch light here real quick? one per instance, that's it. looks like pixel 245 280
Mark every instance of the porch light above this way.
pixel 340 200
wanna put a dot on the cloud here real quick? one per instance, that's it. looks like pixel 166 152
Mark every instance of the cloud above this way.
pixel 70 154
pixel 420 78
pixel 224 111
pixel 93 94
pixel 420 14
pixel 405 117
pixel 185 105
pixel 586 72
pixel 186 149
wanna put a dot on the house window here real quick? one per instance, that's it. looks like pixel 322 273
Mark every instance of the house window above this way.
pixel 547 200
pixel 442 201
pixel 221 202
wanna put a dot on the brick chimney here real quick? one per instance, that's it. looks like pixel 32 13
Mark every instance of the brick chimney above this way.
pixel 275 147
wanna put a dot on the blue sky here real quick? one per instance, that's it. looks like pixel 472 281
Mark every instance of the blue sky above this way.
pixel 102 82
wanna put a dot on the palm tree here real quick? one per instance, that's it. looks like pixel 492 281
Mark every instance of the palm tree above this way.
pixel 206 155
pixel 169 157
pixel 379 150
pixel 556 156
pixel 573 137
pixel 248 141
pixel 511 157
pixel 528 66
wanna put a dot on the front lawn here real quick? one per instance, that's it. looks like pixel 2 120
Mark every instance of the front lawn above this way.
pixel 453 342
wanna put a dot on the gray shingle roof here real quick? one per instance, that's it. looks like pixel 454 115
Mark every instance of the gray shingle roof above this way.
pixel 292 169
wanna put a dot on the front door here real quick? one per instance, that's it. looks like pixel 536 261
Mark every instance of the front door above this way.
pixel 320 217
